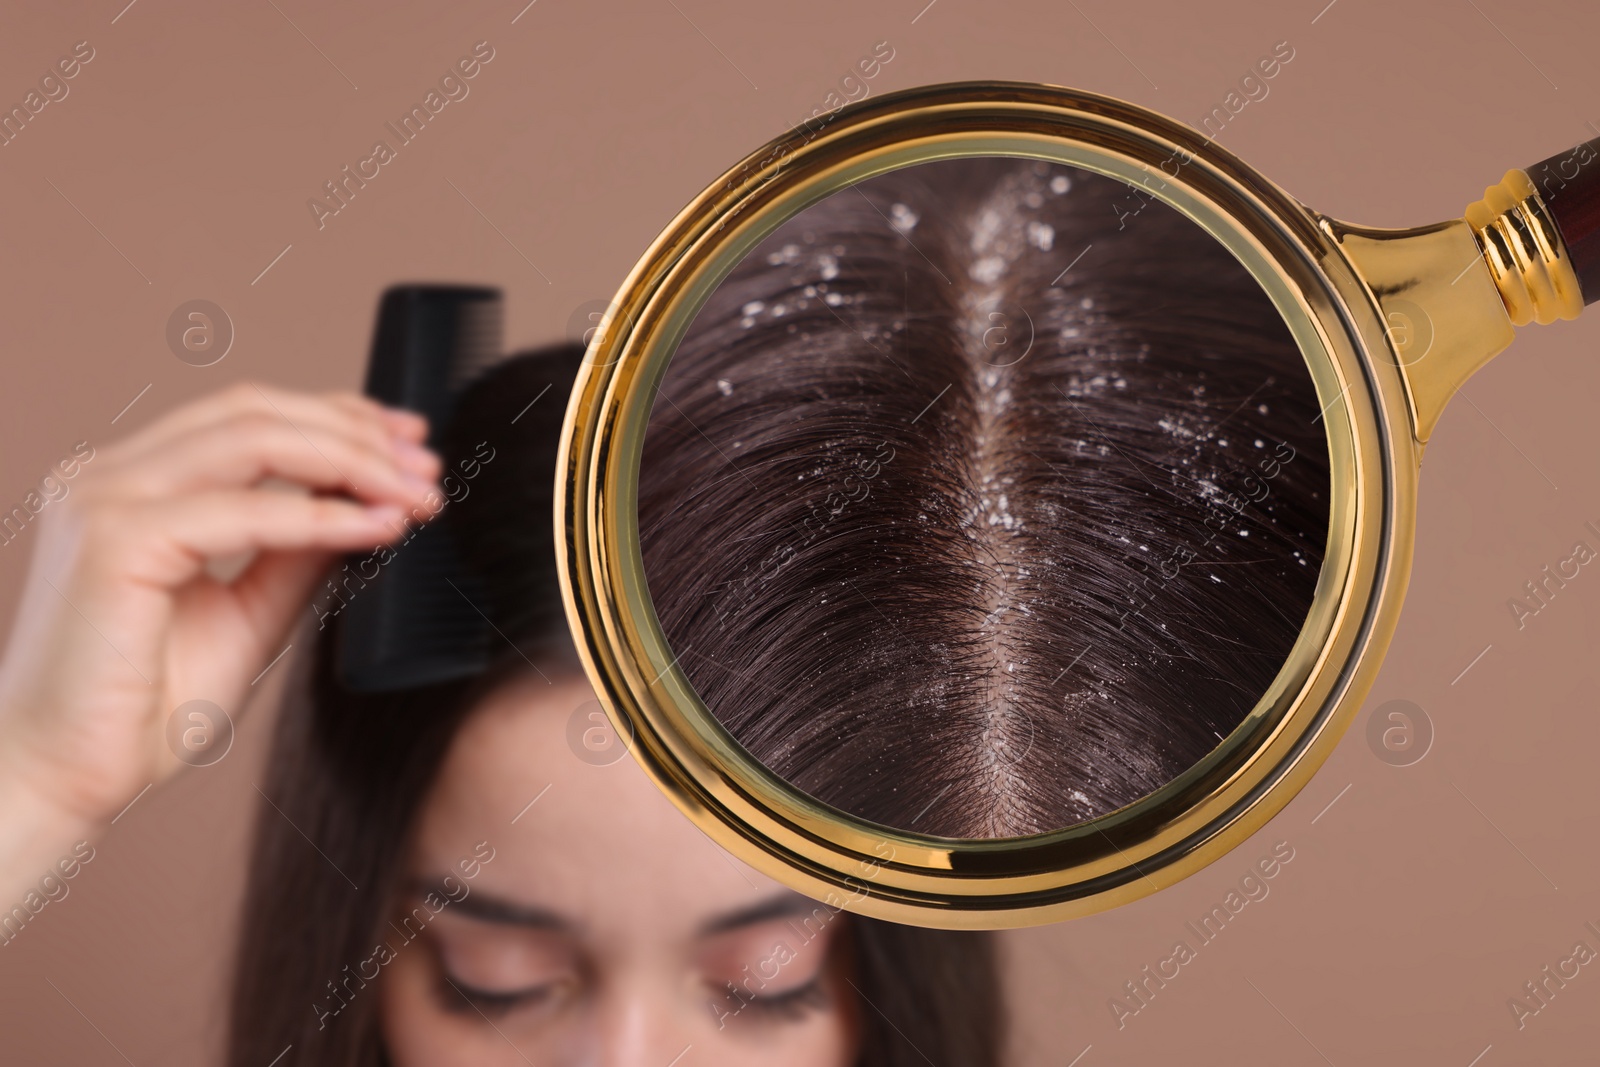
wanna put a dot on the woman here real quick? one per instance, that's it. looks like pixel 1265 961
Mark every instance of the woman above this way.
pixel 593 926
pixel 509 898
pixel 438 875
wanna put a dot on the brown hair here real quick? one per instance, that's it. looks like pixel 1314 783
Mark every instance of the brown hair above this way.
pixel 349 770
pixel 984 497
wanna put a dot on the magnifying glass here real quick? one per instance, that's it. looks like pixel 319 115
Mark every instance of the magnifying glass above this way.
pixel 1067 629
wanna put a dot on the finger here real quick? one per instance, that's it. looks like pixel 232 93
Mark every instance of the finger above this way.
pixel 274 587
pixel 347 413
pixel 401 423
pixel 404 433
pixel 240 453
pixel 359 415
pixel 224 635
pixel 165 543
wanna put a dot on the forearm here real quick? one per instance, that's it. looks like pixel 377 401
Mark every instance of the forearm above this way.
pixel 37 836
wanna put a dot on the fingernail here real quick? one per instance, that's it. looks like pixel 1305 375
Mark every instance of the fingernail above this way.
pixel 423 486
pixel 416 457
pixel 384 513
pixel 404 425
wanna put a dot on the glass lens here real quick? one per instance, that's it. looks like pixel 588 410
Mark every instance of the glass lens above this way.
pixel 984 497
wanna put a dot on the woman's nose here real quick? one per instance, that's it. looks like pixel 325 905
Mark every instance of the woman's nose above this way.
pixel 643 1025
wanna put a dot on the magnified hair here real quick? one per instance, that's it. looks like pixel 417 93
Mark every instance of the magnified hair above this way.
pixel 984 497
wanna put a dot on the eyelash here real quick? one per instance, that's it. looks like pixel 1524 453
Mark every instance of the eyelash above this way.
pixel 458 997
pixel 464 999
pixel 793 1005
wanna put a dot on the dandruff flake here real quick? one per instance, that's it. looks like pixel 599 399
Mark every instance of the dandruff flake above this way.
pixel 903 218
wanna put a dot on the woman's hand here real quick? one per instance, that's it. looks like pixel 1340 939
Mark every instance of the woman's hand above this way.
pixel 120 622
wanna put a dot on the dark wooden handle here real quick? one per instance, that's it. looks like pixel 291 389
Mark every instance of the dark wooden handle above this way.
pixel 1569 185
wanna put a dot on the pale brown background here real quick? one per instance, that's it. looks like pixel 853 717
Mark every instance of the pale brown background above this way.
pixel 1415 905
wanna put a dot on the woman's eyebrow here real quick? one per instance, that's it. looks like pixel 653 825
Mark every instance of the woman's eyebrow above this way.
pixel 784 905
pixel 483 907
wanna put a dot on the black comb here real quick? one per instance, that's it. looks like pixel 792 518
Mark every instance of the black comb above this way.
pixel 416 622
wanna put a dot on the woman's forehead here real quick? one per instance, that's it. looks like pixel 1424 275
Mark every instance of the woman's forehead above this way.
pixel 596 843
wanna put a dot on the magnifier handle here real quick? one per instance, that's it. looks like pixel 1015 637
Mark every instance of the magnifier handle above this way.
pixel 1539 231
pixel 1569 185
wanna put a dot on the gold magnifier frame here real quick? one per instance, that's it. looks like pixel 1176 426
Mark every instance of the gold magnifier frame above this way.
pixel 1389 322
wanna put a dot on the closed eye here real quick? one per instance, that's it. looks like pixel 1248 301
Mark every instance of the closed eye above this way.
pixel 791 1005
pixel 460 997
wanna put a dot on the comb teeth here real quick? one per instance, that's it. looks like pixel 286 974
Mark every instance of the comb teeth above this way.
pixel 478 341
pixel 417 621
